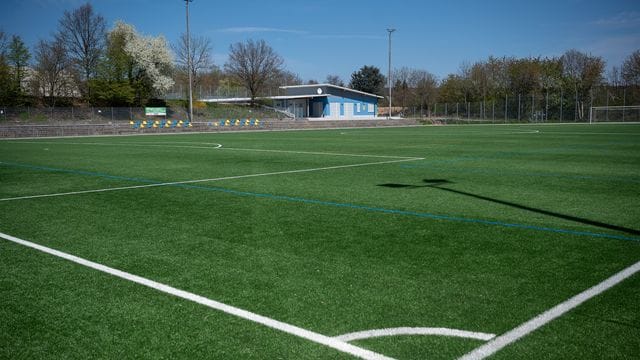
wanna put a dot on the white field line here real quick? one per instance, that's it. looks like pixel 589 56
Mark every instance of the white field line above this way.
pixel 415 331
pixel 204 180
pixel 217 147
pixel 524 132
pixel 160 145
pixel 526 328
pixel 588 133
pixel 266 321
pixel 323 153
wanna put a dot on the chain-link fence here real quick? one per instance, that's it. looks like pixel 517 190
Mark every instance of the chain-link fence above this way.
pixel 553 105
pixel 99 115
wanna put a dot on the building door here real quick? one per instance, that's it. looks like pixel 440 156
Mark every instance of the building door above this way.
pixel 318 109
pixel 348 110
pixel 335 110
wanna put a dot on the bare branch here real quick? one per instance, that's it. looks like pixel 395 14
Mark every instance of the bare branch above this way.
pixel 253 64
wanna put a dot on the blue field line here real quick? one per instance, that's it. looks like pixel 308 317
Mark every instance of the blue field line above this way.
pixel 407 213
pixel 334 204
pixel 77 172
pixel 522 173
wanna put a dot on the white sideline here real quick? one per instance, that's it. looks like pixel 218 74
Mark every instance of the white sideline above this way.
pixel 528 327
pixel 203 180
pixel 274 324
pixel 366 334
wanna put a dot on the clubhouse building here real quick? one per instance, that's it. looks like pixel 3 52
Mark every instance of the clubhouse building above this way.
pixel 319 101
pixel 326 101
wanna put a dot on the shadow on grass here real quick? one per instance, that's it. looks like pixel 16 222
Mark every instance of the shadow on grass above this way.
pixel 437 183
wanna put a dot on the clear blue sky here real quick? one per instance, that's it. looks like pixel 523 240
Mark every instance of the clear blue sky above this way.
pixel 317 38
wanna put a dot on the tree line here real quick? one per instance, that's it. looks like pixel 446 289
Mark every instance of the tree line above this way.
pixel 85 63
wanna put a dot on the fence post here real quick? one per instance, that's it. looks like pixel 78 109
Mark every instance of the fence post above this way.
pixel 590 102
pixel 607 112
pixel 546 106
pixel 624 101
pixel 533 105
pixel 575 110
pixel 561 104
pixel 506 107
pixel 112 114
pixel 519 105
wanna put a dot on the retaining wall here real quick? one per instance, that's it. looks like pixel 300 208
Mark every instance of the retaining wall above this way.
pixel 124 128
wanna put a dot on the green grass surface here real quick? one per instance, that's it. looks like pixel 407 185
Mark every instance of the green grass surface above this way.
pixel 477 228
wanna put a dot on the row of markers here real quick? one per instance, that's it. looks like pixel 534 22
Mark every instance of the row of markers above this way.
pixel 236 122
pixel 144 124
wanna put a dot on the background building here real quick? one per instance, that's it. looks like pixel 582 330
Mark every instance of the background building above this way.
pixel 327 101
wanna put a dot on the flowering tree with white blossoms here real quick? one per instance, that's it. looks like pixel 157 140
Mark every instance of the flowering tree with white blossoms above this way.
pixel 149 58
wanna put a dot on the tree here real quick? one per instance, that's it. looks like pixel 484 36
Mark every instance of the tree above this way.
pixel 368 79
pixel 5 71
pixel 253 64
pixel 334 80
pixel 153 61
pixel 425 87
pixel 201 60
pixel 136 67
pixel 282 78
pixel 51 69
pixel 631 69
pixel 452 89
pixel 83 34
pixel 402 93
pixel 18 58
pixel 4 43
pixel 286 77
pixel 582 72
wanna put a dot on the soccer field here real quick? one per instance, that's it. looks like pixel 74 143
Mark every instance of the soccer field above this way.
pixel 406 243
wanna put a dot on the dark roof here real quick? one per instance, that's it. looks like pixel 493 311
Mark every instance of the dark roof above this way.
pixel 332 86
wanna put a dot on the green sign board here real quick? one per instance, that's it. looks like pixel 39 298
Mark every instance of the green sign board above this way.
pixel 155 111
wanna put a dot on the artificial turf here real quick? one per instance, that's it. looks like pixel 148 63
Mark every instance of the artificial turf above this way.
pixel 477 228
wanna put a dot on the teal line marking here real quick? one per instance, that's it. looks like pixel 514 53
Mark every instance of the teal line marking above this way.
pixel 335 204
pixel 77 172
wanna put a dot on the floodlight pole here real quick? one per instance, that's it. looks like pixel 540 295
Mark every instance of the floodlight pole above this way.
pixel 189 63
pixel 389 74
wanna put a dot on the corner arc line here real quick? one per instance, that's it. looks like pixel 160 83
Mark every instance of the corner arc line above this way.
pixel 366 334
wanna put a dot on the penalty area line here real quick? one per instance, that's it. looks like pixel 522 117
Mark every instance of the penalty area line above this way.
pixel 204 180
pixel 214 146
pixel 228 309
pixel 537 322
